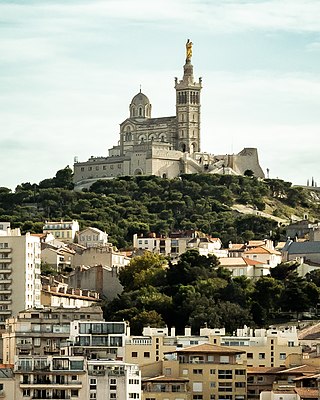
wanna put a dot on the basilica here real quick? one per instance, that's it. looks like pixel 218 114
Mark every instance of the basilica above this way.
pixel 166 146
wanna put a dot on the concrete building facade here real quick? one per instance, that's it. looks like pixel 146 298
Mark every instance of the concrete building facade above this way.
pixel 20 285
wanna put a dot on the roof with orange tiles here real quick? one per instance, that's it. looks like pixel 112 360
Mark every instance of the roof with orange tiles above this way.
pixel 264 370
pixel 209 348
pixel 262 250
pixel 307 393
pixel 248 261
pixel 237 262
pixel 301 369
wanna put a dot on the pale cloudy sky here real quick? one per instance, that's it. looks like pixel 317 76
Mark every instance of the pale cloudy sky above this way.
pixel 69 69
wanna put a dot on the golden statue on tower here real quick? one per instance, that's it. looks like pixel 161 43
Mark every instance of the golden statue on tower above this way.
pixel 188 50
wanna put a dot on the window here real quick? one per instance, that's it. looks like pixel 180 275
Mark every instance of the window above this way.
pixel 134 354
pixel 113 395
pixel 197 397
pixel 290 344
pixel 114 381
pixel 93 384
pixel 197 371
pixel 74 392
pixel 282 356
pixel 224 359
pixel 240 372
pixel 197 387
pixel 262 356
pixel 225 387
pixel 146 354
pixel 93 396
pixel 167 371
pixel 113 387
pixel 260 379
pixel 212 371
pixel 133 395
pixel 249 355
pixel 240 384
pixel 225 374
pixel 212 384
pixel 26 393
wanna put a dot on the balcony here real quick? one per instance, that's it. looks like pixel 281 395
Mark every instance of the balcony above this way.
pixel 97 372
pixel 6 260
pixel 5 269
pixel 5 312
pixel 5 250
pixel 5 291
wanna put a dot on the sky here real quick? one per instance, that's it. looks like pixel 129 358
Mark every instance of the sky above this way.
pixel 69 69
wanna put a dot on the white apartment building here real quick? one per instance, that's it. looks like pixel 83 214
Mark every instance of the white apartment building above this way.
pixel 92 237
pixel 178 243
pixel 20 285
pixel 113 380
pixel 98 339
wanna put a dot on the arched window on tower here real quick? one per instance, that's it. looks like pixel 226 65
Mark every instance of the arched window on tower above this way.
pixel 140 111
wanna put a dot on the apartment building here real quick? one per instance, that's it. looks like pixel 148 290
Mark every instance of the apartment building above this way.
pixel 179 242
pixel 154 343
pixel 98 339
pixel 20 285
pixel 100 278
pixel 62 230
pixel 50 377
pixel 92 237
pixel 205 371
pixel 259 347
pixel 265 347
pixel 42 331
pixel 113 380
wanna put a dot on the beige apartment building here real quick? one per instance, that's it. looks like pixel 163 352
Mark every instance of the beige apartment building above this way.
pixel 259 347
pixel 20 285
pixel 265 347
pixel 201 372
pixel 62 230
pixel 42 331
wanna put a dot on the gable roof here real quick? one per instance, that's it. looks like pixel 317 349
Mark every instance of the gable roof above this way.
pixel 262 250
pixel 303 248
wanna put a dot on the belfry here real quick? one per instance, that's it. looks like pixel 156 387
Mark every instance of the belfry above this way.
pixel 165 146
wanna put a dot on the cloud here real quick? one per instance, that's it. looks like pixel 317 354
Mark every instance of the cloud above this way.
pixel 223 16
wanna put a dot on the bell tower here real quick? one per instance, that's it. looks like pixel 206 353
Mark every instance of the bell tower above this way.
pixel 188 107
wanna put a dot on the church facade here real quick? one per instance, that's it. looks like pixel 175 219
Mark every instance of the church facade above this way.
pixel 166 146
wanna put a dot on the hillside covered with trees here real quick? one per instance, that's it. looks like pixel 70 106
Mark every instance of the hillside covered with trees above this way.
pixel 143 204
pixel 197 292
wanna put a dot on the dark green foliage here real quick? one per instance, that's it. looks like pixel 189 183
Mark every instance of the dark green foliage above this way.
pixel 197 292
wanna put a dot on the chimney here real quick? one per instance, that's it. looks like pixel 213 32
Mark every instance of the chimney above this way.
pixel 173 332
pixel 187 331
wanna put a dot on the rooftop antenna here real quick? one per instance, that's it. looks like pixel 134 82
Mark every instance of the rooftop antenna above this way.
pixel 140 87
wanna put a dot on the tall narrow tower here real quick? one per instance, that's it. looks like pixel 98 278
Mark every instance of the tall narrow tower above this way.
pixel 188 107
